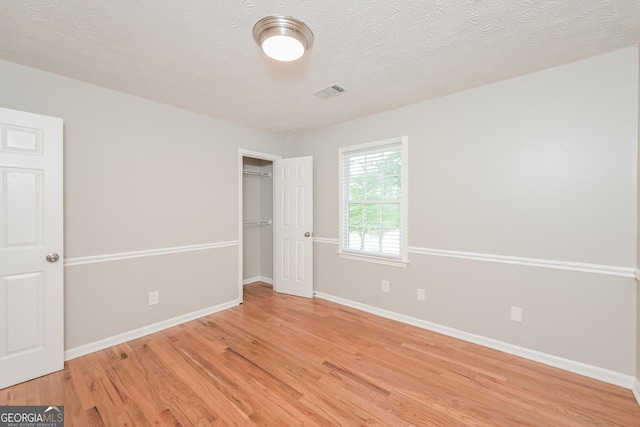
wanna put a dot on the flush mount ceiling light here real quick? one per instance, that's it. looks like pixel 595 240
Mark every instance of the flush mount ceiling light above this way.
pixel 282 38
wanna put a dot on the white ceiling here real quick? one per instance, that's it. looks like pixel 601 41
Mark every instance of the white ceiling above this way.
pixel 200 54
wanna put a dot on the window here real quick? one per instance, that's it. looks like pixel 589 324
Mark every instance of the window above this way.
pixel 373 202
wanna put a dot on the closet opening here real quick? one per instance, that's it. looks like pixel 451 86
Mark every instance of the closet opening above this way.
pixel 275 222
pixel 256 222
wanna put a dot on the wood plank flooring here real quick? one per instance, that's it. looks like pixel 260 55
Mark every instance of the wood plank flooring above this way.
pixel 285 361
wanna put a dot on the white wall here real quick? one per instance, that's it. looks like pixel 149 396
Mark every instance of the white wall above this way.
pixel 139 176
pixel 537 167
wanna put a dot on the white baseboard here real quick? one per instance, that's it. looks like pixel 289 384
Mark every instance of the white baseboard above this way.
pixel 636 389
pixel 264 279
pixel 146 330
pixel 590 371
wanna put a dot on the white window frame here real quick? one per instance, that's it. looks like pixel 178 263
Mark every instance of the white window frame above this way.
pixel 353 254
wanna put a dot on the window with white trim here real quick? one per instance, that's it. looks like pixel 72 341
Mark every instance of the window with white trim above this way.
pixel 373 201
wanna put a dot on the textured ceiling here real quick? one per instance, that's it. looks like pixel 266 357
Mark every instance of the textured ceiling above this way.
pixel 200 55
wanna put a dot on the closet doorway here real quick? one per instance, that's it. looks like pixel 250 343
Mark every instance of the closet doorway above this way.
pixel 257 220
pixel 275 225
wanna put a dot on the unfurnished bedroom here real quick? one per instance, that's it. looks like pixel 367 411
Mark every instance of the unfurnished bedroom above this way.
pixel 337 213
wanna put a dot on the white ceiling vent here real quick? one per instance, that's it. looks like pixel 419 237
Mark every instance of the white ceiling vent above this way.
pixel 330 92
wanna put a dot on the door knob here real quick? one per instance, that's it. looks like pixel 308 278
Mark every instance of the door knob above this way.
pixel 52 257
pixel 307 234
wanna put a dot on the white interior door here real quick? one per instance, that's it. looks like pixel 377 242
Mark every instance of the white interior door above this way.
pixel 293 226
pixel 31 243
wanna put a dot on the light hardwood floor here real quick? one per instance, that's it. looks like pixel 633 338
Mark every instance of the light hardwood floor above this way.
pixel 286 361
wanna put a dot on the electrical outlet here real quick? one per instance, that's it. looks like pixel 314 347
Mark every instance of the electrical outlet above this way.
pixel 516 314
pixel 154 297
pixel 421 294
pixel 385 286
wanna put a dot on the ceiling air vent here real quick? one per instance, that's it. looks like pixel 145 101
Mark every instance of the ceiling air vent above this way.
pixel 330 92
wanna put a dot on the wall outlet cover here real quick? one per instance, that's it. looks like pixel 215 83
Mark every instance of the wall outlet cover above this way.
pixel 154 297
pixel 516 314
pixel 385 286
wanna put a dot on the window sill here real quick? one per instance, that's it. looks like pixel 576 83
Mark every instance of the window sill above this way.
pixel 374 259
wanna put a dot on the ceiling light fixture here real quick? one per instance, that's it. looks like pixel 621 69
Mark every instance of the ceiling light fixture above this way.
pixel 282 38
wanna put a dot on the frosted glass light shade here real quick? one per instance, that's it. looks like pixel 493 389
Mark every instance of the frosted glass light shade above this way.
pixel 283 48
pixel 282 38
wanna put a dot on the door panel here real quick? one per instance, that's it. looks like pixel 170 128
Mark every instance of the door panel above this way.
pixel 31 220
pixel 293 226
pixel 22 195
pixel 25 329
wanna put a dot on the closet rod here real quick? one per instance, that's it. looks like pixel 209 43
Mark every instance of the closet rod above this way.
pixel 262 222
pixel 256 173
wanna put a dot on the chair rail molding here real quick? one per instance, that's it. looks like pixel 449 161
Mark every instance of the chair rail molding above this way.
pixel 609 270
pixel 70 262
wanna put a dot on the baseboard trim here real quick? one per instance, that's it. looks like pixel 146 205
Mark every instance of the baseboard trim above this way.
pixel 145 330
pixel 636 389
pixel 584 369
pixel 264 279
pixel 70 262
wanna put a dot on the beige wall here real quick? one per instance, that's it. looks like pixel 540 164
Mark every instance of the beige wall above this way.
pixel 110 298
pixel 138 176
pixel 542 166
pixel 266 231
pixel 638 243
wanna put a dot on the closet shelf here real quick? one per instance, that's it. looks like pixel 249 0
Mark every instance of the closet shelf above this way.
pixel 261 222
pixel 256 173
